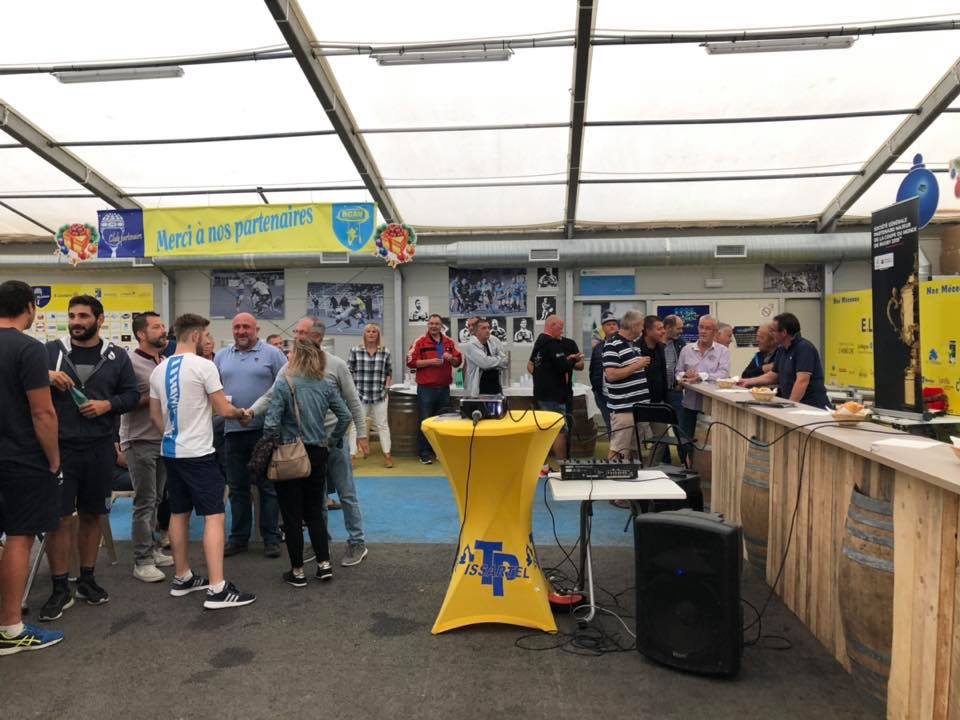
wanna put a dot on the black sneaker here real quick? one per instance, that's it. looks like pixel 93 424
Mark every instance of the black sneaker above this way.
pixel 179 588
pixel 299 581
pixel 426 460
pixel 271 550
pixel 324 570
pixel 227 598
pixel 60 600
pixel 233 549
pixel 87 589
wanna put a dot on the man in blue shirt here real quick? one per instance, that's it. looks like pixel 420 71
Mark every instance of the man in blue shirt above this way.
pixel 247 370
pixel 798 373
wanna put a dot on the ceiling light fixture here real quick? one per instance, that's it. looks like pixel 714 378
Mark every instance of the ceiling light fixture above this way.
pixel 92 76
pixel 439 57
pixel 737 47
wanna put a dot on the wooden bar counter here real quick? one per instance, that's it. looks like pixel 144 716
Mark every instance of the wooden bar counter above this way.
pixel 921 486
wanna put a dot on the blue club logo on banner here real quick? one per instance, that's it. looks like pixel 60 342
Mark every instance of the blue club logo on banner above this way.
pixel 121 233
pixel 921 183
pixel 42 295
pixel 353 224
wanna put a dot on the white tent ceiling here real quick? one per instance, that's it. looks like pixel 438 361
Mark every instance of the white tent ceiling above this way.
pixel 488 178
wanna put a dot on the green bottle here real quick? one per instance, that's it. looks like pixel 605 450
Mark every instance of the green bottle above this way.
pixel 78 397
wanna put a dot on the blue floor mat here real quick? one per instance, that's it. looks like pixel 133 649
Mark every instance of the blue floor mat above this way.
pixel 421 510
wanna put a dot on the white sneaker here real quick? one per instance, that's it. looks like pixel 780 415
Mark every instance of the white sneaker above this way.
pixel 161 560
pixel 148 573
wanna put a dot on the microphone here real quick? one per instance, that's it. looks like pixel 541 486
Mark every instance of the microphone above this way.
pixel 476 415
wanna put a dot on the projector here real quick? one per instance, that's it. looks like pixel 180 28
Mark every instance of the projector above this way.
pixel 489 407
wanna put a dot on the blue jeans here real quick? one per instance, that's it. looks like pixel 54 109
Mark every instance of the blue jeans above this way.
pixel 237 448
pixel 340 479
pixel 431 401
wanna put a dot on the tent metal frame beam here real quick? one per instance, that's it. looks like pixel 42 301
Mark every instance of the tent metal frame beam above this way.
pixel 560 39
pixel 586 17
pixel 296 31
pixel 32 137
pixel 457 185
pixel 487 128
pixel 27 217
pixel 912 127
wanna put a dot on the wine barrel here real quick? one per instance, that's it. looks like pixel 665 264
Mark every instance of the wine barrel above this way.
pixel 950 251
pixel 703 459
pixel 866 591
pixel 755 506
pixel 404 423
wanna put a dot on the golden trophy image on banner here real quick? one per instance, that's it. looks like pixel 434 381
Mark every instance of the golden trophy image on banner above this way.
pixel 902 314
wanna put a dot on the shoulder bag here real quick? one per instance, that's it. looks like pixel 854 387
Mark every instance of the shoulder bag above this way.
pixel 290 461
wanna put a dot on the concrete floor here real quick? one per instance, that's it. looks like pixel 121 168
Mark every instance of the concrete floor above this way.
pixel 360 647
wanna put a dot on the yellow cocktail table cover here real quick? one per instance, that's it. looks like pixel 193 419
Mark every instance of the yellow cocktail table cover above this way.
pixel 497 576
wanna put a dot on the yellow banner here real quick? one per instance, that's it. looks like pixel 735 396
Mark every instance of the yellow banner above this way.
pixel 939 334
pixel 259 229
pixel 848 356
pixel 120 302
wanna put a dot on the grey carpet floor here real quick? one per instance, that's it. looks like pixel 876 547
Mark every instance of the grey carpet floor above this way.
pixel 360 647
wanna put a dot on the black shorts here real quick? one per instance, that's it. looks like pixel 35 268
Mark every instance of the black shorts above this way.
pixel 87 477
pixel 195 484
pixel 29 496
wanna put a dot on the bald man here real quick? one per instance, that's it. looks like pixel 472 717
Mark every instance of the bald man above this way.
pixel 768 349
pixel 248 369
pixel 552 362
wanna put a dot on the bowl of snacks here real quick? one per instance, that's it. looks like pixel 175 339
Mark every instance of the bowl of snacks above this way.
pixel 763 394
pixel 851 411
pixel 728 383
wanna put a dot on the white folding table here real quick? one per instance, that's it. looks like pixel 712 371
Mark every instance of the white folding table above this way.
pixel 649 485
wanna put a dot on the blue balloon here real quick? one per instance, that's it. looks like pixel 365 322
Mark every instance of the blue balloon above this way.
pixel 383 252
pixel 921 183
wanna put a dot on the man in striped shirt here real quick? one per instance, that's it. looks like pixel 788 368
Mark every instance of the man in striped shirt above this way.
pixel 624 370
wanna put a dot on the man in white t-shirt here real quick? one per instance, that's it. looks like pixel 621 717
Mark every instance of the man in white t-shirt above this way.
pixel 183 388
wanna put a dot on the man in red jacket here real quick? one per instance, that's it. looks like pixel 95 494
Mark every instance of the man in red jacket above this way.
pixel 433 356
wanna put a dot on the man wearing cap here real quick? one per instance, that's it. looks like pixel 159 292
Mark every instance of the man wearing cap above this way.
pixel 610 325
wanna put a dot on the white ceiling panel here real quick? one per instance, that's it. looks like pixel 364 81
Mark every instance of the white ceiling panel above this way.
pixel 209 100
pixel 380 21
pixel 57 212
pixel 706 201
pixel 23 171
pixel 482 207
pixel 703 15
pixel 291 161
pixel 481 155
pixel 683 81
pixel 750 148
pixel 533 86
pixel 53 31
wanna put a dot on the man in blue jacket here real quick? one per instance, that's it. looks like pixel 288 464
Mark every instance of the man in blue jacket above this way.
pixel 93 383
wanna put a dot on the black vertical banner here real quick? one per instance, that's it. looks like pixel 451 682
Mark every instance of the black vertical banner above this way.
pixel 896 308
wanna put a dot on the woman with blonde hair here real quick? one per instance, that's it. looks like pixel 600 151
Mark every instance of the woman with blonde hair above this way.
pixel 299 405
pixel 372 372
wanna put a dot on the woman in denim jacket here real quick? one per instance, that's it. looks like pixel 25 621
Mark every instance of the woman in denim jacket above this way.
pixel 302 500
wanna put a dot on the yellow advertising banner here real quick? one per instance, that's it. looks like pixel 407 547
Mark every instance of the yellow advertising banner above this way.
pixel 848 356
pixel 260 229
pixel 939 334
pixel 120 302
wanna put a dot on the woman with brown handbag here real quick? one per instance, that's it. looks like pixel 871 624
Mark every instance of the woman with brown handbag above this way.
pixel 296 413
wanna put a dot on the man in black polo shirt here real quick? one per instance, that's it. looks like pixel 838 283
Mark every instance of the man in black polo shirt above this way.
pixel 798 373
pixel 652 345
pixel 552 362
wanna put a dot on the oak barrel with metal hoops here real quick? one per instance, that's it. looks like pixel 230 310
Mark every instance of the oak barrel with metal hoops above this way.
pixel 755 506
pixel 404 422
pixel 866 590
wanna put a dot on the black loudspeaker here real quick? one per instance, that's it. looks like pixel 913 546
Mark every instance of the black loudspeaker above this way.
pixel 688 591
